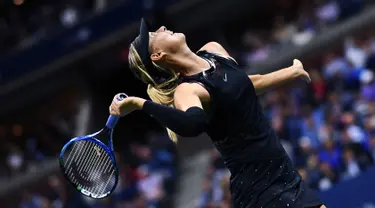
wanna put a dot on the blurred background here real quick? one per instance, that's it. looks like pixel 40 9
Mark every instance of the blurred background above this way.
pixel 62 61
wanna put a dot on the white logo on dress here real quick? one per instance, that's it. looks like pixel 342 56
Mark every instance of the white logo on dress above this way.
pixel 225 77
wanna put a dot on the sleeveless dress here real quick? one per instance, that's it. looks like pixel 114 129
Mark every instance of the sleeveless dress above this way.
pixel 262 174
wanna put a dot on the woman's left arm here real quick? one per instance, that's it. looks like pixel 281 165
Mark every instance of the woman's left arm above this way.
pixel 264 83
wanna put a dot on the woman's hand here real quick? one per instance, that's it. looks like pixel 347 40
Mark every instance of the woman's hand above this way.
pixel 125 106
pixel 300 71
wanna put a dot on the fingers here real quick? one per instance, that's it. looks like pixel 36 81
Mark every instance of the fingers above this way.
pixel 306 77
pixel 114 111
pixel 114 108
pixel 297 62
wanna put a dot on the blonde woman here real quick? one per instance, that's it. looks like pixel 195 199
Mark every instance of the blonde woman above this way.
pixel 193 93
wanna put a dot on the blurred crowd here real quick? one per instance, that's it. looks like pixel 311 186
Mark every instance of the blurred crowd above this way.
pixel 147 178
pixel 30 137
pixel 295 23
pixel 327 127
pixel 33 140
pixel 24 23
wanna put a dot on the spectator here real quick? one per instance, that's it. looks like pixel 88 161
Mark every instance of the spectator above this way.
pixel 328 176
pixel 351 165
pixel 330 154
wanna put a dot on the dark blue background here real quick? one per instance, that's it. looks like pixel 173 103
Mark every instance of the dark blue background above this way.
pixel 73 39
pixel 356 193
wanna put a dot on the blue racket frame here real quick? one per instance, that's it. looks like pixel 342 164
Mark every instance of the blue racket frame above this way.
pixel 111 123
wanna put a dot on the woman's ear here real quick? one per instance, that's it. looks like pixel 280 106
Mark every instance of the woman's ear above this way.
pixel 157 56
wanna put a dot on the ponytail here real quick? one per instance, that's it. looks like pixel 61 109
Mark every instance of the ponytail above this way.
pixel 159 93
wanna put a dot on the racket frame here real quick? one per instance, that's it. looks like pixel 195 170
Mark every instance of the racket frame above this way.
pixel 108 149
pixel 110 125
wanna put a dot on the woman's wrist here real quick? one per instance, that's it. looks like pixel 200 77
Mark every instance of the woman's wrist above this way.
pixel 138 103
pixel 295 72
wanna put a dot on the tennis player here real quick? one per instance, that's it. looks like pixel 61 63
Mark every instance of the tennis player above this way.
pixel 193 93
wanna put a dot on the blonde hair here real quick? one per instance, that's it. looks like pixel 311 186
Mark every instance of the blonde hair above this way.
pixel 159 93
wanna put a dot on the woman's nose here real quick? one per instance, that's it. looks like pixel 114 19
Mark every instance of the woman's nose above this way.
pixel 162 29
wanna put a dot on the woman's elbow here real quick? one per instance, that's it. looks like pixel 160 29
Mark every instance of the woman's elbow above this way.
pixel 193 130
pixel 258 83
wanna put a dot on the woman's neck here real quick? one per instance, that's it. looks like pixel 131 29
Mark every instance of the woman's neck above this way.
pixel 189 63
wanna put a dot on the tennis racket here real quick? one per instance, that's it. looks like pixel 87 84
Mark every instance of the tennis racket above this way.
pixel 90 165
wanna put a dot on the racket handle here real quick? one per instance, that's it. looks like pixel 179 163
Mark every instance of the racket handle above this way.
pixel 121 96
pixel 112 120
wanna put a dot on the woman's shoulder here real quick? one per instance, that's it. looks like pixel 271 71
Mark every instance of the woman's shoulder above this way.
pixel 216 50
pixel 214 47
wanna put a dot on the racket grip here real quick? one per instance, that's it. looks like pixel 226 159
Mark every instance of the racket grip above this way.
pixel 112 121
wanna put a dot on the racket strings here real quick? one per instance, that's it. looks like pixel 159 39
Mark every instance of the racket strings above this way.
pixel 89 166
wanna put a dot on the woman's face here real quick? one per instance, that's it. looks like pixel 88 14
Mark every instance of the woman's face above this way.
pixel 165 42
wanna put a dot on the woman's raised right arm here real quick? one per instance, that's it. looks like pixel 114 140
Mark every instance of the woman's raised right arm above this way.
pixel 187 119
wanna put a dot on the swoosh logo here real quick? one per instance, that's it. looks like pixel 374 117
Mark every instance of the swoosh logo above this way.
pixel 225 77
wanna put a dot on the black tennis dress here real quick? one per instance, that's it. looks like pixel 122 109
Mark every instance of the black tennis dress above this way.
pixel 262 174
